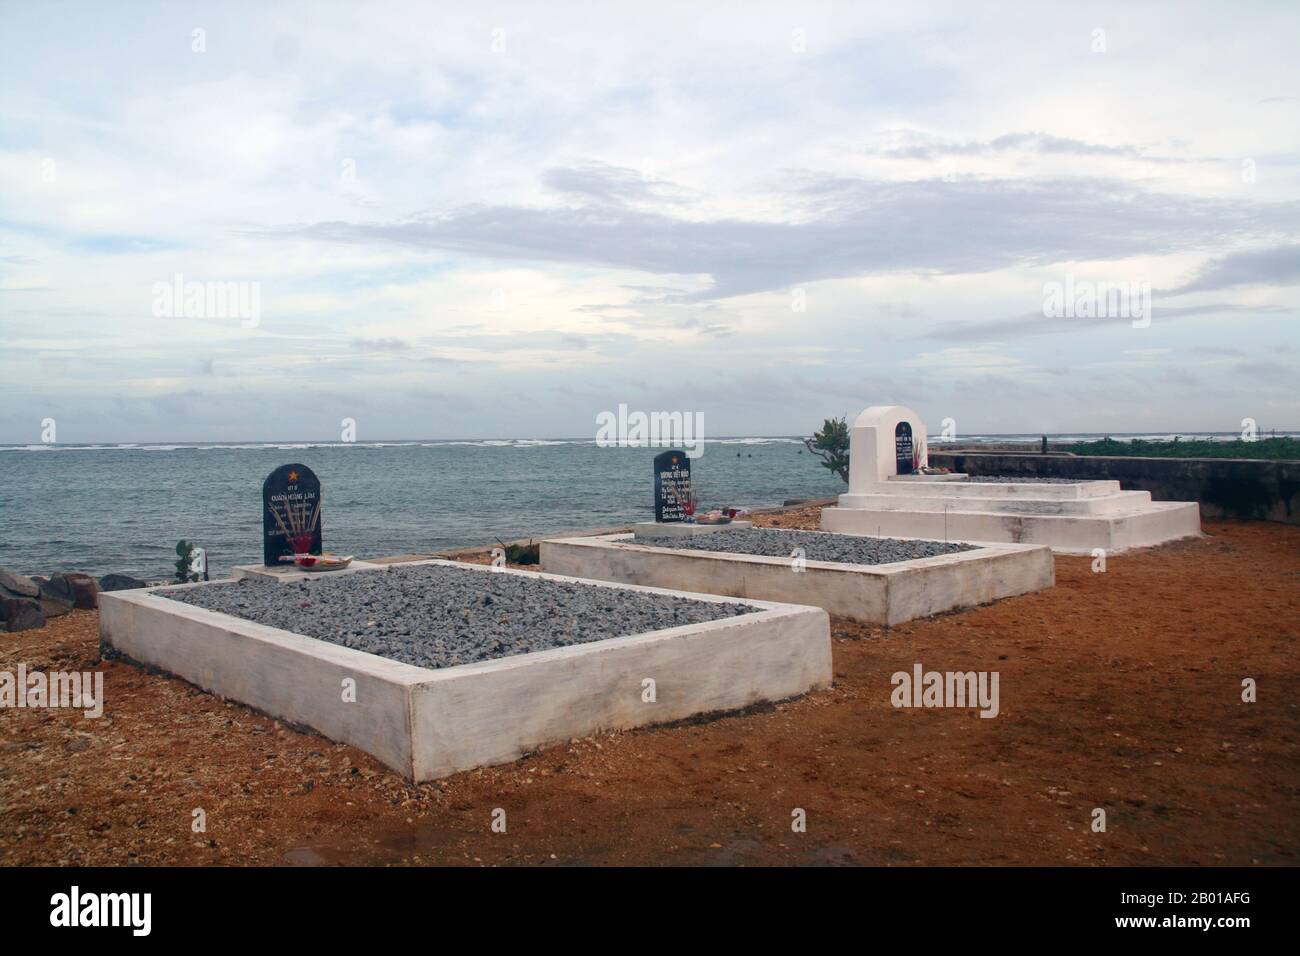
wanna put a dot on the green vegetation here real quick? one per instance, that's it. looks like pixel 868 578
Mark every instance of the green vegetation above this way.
pixel 1272 449
pixel 831 445
pixel 184 574
pixel 521 553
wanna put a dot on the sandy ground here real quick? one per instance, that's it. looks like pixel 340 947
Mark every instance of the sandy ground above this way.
pixel 1119 690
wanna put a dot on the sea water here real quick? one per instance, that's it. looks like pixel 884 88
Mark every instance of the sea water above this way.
pixel 102 508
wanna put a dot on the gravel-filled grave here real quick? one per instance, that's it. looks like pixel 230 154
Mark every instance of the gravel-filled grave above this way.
pixel 438 616
pixel 817 545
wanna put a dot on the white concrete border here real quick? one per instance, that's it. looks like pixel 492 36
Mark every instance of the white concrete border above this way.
pixel 1143 526
pixel 681 529
pixel 427 723
pixel 874 594
pixel 290 572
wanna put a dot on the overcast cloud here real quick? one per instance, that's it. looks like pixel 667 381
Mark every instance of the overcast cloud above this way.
pixel 500 220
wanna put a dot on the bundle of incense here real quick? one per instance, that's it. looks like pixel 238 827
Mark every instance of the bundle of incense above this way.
pixel 295 523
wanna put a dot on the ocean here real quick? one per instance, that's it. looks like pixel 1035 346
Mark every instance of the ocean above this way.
pixel 103 508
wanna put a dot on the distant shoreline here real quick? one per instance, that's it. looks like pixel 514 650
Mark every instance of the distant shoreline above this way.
pixel 303 444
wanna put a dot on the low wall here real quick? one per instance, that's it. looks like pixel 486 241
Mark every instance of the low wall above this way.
pixel 427 723
pixel 1224 487
pixel 871 593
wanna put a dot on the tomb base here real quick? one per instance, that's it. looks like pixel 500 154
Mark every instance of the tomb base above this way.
pixel 291 572
pixel 680 529
pixel 890 495
pixel 874 594
pixel 1113 523
pixel 426 723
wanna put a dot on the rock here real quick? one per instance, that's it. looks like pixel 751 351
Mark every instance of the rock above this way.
pixel 56 597
pixel 20 614
pixel 23 595
pixel 80 588
pixel 87 590
pixel 54 607
pixel 17 585
pixel 120 582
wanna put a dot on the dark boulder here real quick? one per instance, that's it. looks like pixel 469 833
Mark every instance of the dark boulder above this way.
pixel 56 597
pixel 84 589
pixel 120 582
pixel 54 606
pixel 20 614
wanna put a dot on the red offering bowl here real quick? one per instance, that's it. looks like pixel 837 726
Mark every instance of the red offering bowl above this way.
pixel 322 562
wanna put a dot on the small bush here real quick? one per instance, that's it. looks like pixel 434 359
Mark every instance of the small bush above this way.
pixel 183 573
pixel 522 553
pixel 831 445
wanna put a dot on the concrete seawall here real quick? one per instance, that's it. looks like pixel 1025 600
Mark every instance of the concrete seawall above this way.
pixel 1224 487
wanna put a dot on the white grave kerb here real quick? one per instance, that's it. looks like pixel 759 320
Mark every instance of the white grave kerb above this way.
pixel 878 436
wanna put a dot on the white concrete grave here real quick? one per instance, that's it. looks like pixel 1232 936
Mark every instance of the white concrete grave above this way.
pixel 427 723
pixel 881 438
pixel 1070 517
pixel 872 593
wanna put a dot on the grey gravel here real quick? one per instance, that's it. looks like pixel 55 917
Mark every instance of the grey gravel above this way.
pixel 817 545
pixel 1019 480
pixel 436 616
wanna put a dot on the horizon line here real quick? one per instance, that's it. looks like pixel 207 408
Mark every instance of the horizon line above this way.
pixel 107 443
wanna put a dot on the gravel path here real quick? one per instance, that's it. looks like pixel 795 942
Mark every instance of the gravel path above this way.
pixel 435 616
pixel 817 545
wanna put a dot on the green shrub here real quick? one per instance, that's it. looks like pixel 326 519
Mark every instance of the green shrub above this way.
pixel 1272 449
pixel 831 445
pixel 522 553
pixel 183 573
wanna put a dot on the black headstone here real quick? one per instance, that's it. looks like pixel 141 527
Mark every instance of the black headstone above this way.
pixel 291 519
pixel 672 486
pixel 903 451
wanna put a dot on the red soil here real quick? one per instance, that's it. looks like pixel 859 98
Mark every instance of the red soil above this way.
pixel 1119 690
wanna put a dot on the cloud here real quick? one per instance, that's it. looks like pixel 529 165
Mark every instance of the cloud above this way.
pixel 965 360
pixel 1278 266
pixel 861 227
pixel 1267 371
pixel 1035 323
pixel 920 146
pixel 380 345
pixel 609 185
pixel 645 185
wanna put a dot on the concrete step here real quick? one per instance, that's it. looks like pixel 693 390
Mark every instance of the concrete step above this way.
pixel 1116 502
pixel 928 486
pixel 1150 524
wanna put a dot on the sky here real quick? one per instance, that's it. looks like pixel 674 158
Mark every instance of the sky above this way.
pixel 494 220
